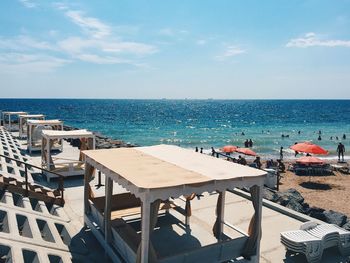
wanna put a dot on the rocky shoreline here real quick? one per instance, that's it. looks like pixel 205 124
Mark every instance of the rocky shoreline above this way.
pixel 292 199
pixel 102 142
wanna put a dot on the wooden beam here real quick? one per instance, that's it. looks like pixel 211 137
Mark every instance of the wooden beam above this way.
pixel 86 191
pixel 107 213
pixel 145 231
pixel 222 213
pixel 256 258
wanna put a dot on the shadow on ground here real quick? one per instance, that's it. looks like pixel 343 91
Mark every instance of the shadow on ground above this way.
pixel 315 186
pixel 330 255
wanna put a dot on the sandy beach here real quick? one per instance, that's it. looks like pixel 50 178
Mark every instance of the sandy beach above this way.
pixel 327 192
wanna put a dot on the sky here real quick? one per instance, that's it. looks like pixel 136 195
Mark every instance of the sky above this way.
pixel 199 49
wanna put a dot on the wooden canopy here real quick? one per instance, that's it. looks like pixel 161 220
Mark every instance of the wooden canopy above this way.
pixel 161 172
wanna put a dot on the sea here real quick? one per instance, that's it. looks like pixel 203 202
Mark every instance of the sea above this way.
pixel 203 123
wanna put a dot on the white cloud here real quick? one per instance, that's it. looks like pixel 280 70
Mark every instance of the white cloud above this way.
pixel 92 26
pixel 23 42
pixel 27 54
pixel 29 63
pixel 60 6
pixel 28 3
pixel 93 58
pixel 231 51
pixel 313 40
pixel 75 45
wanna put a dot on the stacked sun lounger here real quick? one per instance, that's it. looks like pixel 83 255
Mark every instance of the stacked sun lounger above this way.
pixel 313 238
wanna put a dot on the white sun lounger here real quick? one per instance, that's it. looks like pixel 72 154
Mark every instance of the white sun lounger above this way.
pixel 313 238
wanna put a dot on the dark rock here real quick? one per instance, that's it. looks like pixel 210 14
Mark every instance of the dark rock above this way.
pixel 346 226
pixel 333 217
pixel 317 213
pixel 283 198
pixel 75 142
pixel 296 195
pixel 295 205
pixel 306 208
pixel 103 146
pixel 269 195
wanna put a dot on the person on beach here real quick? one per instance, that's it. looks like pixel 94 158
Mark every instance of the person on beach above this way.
pixel 201 149
pixel 336 137
pixel 196 149
pixel 340 151
pixel 242 160
pixel 281 153
pixel 242 134
pixel 246 143
pixel 212 151
pixel 257 162
pixel 250 143
pixel 299 132
pixel 296 153
pixel 281 166
pixel 331 138
pixel 344 136
pixel 319 138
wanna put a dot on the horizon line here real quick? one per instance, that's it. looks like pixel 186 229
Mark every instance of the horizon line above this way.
pixel 207 99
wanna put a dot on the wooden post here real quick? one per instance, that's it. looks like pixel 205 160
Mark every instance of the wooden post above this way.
pixel 86 190
pixel 107 213
pixel 222 213
pixel 145 231
pixel 48 154
pixel 257 257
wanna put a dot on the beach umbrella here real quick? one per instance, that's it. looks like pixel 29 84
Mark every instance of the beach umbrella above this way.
pixel 229 148
pixel 309 160
pixel 308 147
pixel 246 151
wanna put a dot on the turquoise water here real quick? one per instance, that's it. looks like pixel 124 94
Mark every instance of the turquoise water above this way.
pixel 202 123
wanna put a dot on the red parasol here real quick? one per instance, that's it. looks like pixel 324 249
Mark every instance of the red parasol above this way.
pixel 308 147
pixel 246 151
pixel 309 160
pixel 229 148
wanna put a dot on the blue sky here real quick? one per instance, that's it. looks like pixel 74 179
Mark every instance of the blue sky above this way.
pixel 175 49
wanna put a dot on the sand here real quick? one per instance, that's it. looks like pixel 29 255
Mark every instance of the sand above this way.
pixel 327 192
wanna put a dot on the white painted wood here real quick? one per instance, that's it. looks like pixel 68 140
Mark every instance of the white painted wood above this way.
pixel 222 210
pixel 107 213
pixel 145 230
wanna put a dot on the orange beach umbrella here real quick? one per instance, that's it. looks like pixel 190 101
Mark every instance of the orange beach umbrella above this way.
pixel 246 151
pixel 309 160
pixel 229 148
pixel 308 147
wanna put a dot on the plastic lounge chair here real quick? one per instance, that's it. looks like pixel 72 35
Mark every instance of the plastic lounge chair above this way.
pixel 332 235
pixel 302 242
pixel 313 238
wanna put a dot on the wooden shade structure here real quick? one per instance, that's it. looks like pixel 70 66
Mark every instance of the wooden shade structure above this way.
pixel 11 119
pixel 154 176
pixel 23 119
pixel 34 129
pixel 64 167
